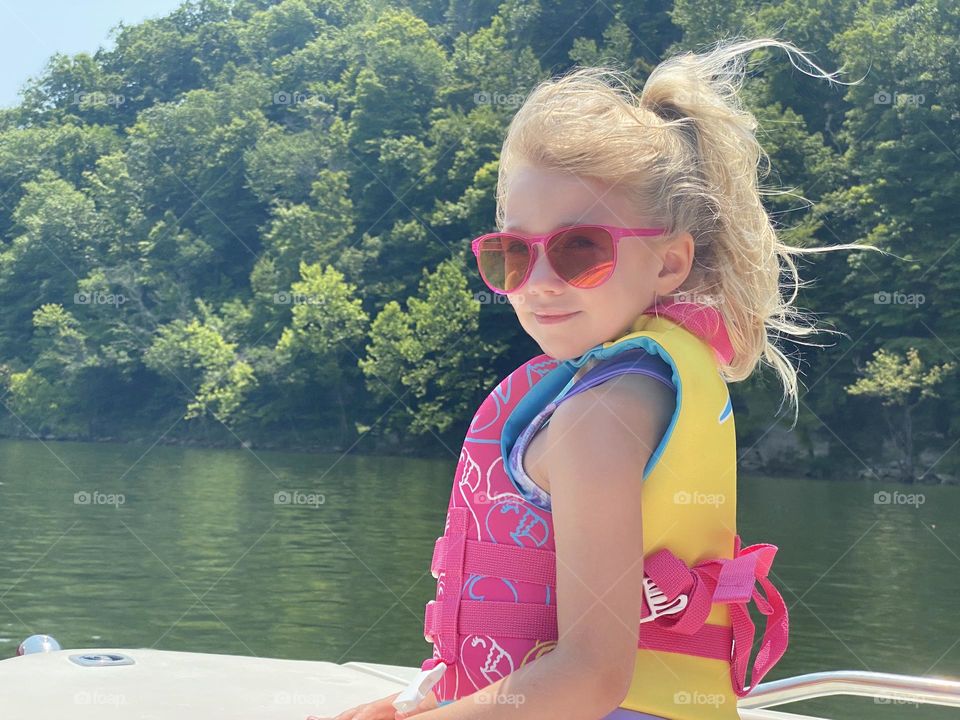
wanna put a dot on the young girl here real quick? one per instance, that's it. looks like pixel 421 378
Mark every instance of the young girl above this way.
pixel 600 476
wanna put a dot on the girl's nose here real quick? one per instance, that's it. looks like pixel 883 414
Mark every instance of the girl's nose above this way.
pixel 542 276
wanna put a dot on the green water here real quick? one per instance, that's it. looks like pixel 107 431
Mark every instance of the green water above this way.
pixel 198 555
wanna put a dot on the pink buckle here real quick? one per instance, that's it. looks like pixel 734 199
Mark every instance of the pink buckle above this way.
pixel 729 581
pixel 671 575
pixel 669 572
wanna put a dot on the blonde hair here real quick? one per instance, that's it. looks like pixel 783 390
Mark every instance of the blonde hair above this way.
pixel 686 153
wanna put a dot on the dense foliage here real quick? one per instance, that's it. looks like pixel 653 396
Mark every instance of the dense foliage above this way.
pixel 249 220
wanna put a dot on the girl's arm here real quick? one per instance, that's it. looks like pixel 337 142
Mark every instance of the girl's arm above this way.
pixel 598 443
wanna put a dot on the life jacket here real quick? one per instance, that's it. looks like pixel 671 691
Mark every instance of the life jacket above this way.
pixel 495 565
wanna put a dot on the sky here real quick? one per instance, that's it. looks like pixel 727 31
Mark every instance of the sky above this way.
pixel 32 31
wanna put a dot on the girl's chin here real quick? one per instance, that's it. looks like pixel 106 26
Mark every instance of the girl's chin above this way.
pixel 563 353
pixel 557 346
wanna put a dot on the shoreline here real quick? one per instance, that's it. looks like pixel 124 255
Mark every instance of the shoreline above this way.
pixel 772 455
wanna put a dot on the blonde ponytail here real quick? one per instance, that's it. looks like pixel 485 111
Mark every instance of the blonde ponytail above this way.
pixel 686 152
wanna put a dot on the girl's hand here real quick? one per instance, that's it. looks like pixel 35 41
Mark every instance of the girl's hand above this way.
pixel 382 709
pixel 377 710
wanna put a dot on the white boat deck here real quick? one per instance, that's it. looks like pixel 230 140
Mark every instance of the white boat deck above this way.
pixel 190 686
pixel 185 686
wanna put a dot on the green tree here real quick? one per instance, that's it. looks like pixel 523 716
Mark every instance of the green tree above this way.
pixel 317 350
pixel 50 395
pixel 426 360
pixel 901 384
pixel 278 30
pixel 314 233
pixel 56 241
pixel 203 365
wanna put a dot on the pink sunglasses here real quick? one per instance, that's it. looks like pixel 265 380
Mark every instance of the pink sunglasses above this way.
pixel 584 256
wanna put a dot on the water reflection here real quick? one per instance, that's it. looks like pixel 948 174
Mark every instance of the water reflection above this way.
pixel 202 554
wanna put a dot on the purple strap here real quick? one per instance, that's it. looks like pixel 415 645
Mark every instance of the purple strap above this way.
pixel 635 360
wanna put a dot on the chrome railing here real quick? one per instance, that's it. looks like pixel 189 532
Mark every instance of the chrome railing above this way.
pixel 883 687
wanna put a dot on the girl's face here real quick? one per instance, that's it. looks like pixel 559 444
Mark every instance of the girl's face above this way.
pixel 540 201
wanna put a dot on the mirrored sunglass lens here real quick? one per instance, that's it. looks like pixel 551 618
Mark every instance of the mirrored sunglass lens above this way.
pixel 583 257
pixel 504 261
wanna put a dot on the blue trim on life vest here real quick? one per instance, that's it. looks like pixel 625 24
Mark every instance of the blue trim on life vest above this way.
pixel 526 410
pixel 727 410
pixel 557 383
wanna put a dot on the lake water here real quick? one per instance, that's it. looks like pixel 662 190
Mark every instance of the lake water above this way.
pixel 190 549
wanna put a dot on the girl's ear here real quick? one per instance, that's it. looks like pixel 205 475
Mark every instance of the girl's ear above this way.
pixel 676 260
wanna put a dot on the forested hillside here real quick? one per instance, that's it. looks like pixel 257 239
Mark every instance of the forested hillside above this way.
pixel 249 221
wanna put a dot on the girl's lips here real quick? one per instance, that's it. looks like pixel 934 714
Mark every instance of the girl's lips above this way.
pixel 551 319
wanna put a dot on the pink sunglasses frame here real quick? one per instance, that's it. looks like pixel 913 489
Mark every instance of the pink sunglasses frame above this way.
pixel 616 232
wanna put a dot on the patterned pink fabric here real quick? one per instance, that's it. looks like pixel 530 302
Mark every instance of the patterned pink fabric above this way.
pixel 494 509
